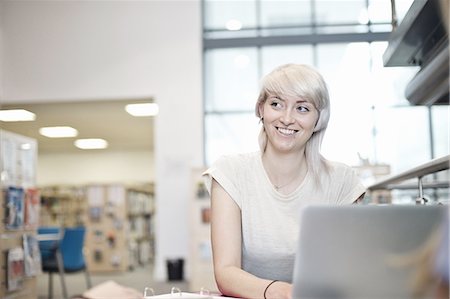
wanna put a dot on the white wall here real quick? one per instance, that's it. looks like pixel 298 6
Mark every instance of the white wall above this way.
pixel 1 52
pixel 59 50
pixel 95 167
pixel 83 50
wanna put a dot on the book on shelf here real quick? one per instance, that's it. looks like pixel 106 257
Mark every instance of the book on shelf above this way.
pixel 8 159
pixel 15 268
pixel 32 255
pixel 14 199
pixel 32 208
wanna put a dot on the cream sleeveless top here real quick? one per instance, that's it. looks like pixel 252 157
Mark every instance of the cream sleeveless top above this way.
pixel 271 220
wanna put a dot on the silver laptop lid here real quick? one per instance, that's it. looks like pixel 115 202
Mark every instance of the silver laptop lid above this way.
pixel 357 251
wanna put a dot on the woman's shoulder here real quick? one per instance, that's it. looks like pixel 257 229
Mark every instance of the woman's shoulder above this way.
pixel 338 168
pixel 233 167
pixel 238 159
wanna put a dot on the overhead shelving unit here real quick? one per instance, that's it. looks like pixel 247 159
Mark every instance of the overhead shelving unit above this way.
pixel 421 39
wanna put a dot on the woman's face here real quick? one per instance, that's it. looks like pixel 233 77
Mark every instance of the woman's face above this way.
pixel 289 122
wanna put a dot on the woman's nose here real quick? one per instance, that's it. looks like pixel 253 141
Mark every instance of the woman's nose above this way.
pixel 287 118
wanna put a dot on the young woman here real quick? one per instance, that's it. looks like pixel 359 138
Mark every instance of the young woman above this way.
pixel 257 198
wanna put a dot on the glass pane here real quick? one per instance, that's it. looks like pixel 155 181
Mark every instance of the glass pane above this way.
pixel 346 69
pixel 387 84
pixel 219 14
pixel 341 12
pixel 361 87
pixel 285 12
pixel 380 11
pixel 286 31
pixel 401 8
pixel 230 133
pixel 231 79
pixel 402 137
pixel 381 28
pixel 277 55
pixel 336 29
pixel 231 34
pixel 441 130
pixel 349 135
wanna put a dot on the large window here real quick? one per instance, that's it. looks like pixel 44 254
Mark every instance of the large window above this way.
pixel 345 40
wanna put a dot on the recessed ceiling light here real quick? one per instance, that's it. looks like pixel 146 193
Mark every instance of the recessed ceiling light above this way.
pixel 25 146
pixel 142 109
pixel 16 115
pixel 58 132
pixel 233 25
pixel 91 143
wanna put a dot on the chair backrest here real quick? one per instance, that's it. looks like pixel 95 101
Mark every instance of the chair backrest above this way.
pixel 47 247
pixel 72 248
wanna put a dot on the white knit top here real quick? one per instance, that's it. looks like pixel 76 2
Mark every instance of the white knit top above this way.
pixel 270 220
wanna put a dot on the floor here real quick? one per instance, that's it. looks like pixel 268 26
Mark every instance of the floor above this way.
pixel 138 279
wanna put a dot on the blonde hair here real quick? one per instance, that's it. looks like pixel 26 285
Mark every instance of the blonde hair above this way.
pixel 300 81
pixel 421 261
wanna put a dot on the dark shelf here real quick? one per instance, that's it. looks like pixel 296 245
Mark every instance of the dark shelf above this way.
pixel 421 39
pixel 420 36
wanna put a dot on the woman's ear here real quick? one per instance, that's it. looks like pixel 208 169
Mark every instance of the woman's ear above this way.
pixel 318 125
pixel 261 110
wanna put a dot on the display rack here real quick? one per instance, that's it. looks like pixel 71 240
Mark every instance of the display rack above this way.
pixel 19 211
pixel 63 206
pixel 200 258
pixel 106 228
pixel 119 226
pixel 141 211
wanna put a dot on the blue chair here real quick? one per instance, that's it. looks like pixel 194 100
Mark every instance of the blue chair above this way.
pixel 62 253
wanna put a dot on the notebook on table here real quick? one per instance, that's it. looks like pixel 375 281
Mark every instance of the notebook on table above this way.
pixel 347 252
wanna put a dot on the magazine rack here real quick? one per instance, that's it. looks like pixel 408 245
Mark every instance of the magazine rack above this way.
pixel 19 211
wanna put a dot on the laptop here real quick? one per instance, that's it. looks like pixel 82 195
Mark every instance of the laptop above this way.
pixel 358 251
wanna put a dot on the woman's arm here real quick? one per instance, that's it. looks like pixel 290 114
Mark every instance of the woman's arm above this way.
pixel 226 239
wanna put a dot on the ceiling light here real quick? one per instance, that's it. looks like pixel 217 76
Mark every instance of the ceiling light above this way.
pixel 25 146
pixel 233 25
pixel 58 132
pixel 91 143
pixel 143 109
pixel 17 115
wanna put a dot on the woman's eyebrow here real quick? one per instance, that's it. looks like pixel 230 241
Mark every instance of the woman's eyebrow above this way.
pixel 276 97
pixel 302 101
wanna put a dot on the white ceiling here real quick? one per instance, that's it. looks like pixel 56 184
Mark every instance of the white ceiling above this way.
pixel 93 119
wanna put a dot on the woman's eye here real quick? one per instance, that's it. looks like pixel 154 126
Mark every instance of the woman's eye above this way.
pixel 302 109
pixel 275 104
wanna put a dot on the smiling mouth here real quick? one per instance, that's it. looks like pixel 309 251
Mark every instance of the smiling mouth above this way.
pixel 286 131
